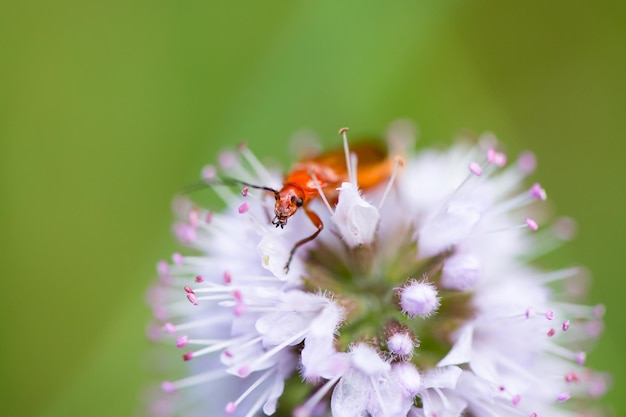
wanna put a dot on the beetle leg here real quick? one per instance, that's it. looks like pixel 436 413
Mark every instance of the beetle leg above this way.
pixel 317 222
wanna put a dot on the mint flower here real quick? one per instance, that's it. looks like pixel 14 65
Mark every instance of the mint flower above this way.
pixel 419 298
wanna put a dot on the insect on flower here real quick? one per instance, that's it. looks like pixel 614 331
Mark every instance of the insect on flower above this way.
pixel 366 163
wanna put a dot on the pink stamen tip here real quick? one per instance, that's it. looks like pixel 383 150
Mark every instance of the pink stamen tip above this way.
pixel 527 162
pixel 243 208
pixel 209 172
pixel 239 309
pixel 163 268
pixel 533 414
pixel 550 314
pixel 188 289
pixel 551 332
pixel 182 341
pixel 169 328
pixel 516 399
pixel 244 371
pixel 177 258
pixel 532 225
pixel 500 160
pixel 193 299
pixel 199 279
pixel 301 411
pixel 237 295
pixel 565 325
pixel 475 168
pixel 496 158
pixel 244 191
pixel 571 377
pixel 227 277
pixel 209 217
pixel 167 386
pixel 228 353
pixel 227 160
pixel 502 388
pixel 580 358
pixel 563 397
pixel 530 312
pixel 537 192
pixel 230 408
pixel 598 311
pixel 193 218
pixel 188 356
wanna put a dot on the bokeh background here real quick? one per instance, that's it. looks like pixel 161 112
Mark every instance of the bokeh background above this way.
pixel 108 107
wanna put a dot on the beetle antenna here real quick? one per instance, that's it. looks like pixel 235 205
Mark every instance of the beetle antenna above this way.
pixel 224 181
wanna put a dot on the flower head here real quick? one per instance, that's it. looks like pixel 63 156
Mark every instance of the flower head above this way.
pixel 345 330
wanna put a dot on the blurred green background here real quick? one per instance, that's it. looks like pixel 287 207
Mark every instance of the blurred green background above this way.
pixel 108 107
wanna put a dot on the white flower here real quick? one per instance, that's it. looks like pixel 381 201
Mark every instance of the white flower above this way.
pixel 346 331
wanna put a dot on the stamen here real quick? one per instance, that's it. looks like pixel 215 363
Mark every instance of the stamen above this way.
pixel 247 369
pixel 306 409
pixel 320 191
pixel 398 163
pixel 351 174
pixel 169 386
pixel 258 168
pixel 232 406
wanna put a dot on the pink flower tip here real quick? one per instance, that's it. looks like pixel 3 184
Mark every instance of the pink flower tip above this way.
pixel 527 162
pixel 496 158
pixel 565 325
pixel 188 356
pixel 239 309
pixel 243 208
pixel 551 332
pixel 475 169
pixel 209 172
pixel 537 192
pixel 301 411
pixel 530 312
pixel 177 258
pixel 563 397
pixel 163 268
pixel 227 277
pixel 188 289
pixel 244 191
pixel 244 371
pixel 550 314
pixel 571 377
pixel 580 358
pixel 169 328
pixel 230 407
pixel 199 279
pixel 182 341
pixel 193 299
pixel 227 160
pixel 167 386
pixel 516 399
pixel 533 414
pixel 532 225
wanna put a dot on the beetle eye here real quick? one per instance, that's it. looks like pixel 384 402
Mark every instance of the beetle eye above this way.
pixel 299 202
